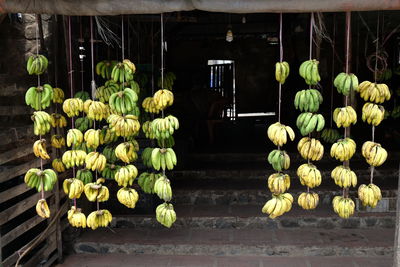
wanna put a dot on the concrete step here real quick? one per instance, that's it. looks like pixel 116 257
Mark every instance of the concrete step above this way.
pixel 250 217
pixel 238 242
pixel 124 260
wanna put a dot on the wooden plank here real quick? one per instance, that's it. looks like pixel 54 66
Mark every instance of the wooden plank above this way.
pixel 20 229
pixel 13 192
pixel 15 134
pixel 20 207
pixel 44 252
pixel 50 262
pixel 16 153
pixel 14 110
pixel 10 173
pixel 12 90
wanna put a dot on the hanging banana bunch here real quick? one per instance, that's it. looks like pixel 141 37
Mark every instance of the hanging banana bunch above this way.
pixel 279 134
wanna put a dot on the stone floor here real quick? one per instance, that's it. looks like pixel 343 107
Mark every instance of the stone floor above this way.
pixel 122 260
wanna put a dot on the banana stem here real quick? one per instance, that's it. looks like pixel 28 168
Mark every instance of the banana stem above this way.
pixel 372 168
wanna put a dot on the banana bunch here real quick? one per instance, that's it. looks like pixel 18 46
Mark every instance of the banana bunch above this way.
pixel 308 201
pixel 76 218
pixel 310 148
pixel 344 83
pixel 373 113
pixel 278 183
pixel 123 71
pixel 132 84
pixel 95 110
pixel 108 135
pixel 308 100
pixel 147 180
pixel 281 71
pixel 343 206
pixel 82 95
pixel 83 123
pixel 93 138
pixel 148 130
pixel 344 116
pixel 343 149
pixel 57 141
pixel 124 101
pixel 39 97
pixel 74 137
pixel 58 120
pixel 279 160
pixel 124 125
pixel 58 95
pixel 105 67
pixel 39 149
pixel 374 153
pixel 308 122
pixel 369 195
pixel 278 205
pixel 72 158
pixel 330 135
pixel 57 165
pixel 37 64
pixel 95 161
pixel 42 209
pixel 344 177
pixel 109 171
pixel 309 175
pixel 128 197
pixel 109 153
pixel 126 152
pixel 163 128
pixel 104 92
pixel 99 218
pixel 41 122
pixel 167 142
pixel 36 178
pixel 85 176
pixel 73 187
pixel 72 107
pixel 150 106
pixel 96 191
pixel 163 98
pixel 166 214
pixel 163 158
pixel 309 71
pixel 278 132
pixel 374 92
pixel 125 175
pixel 169 79
pixel 146 157
pixel 162 187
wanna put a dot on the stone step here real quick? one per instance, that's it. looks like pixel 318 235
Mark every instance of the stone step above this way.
pixel 256 196
pixel 250 217
pixel 234 242
pixel 124 260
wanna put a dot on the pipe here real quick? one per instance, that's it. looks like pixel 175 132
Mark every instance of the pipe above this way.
pixel 118 7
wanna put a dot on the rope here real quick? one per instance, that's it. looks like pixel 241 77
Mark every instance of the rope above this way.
pixel 122 37
pixel 81 56
pixel 333 66
pixel 162 63
pixel 311 38
pixel 93 82
pixel 280 60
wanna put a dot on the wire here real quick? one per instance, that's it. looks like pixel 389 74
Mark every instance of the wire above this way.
pixel 162 64
pixel 280 60
pixel 333 67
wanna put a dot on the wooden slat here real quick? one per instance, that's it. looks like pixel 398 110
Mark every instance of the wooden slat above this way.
pixel 19 170
pixel 15 134
pixel 14 110
pixel 12 90
pixel 16 153
pixel 13 192
pixel 20 229
pixel 51 261
pixel 20 207
pixel 44 252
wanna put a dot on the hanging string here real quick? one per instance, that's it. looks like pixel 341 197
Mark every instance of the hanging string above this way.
pixel 310 58
pixel 280 60
pixel 93 82
pixel 162 64
pixel 70 72
pixel 333 67
pixel 122 37
pixel 81 56
pixel 152 58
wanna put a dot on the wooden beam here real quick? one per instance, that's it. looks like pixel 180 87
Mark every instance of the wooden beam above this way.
pixel 13 172
pixel 118 7
pixel 20 207
pixel 16 153
pixel 15 110
pixel 20 229
pixel 14 192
